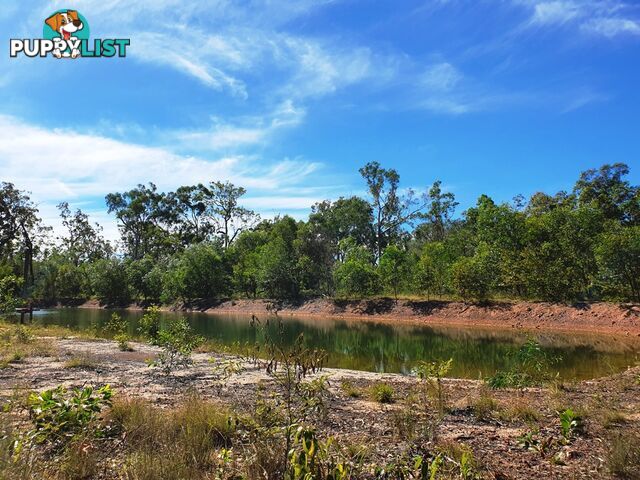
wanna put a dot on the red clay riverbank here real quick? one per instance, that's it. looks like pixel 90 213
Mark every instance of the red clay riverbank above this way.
pixel 606 318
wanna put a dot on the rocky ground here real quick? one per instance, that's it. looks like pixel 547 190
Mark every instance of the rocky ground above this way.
pixel 488 421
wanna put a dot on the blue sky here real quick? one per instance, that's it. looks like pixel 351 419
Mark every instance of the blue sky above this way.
pixel 290 98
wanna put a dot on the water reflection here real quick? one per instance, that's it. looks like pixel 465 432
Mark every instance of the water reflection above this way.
pixel 381 347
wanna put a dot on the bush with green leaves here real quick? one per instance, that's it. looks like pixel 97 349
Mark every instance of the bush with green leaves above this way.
pixel 198 272
pixel 118 327
pixel 570 423
pixel 177 341
pixel 149 324
pixel 356 275
pixel 58 415
pixel 10 287
pixel 108 279
pixel 472 278
pixel 311 458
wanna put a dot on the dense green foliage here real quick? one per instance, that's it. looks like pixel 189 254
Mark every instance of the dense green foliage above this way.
pixel 58 415
pixel 198 243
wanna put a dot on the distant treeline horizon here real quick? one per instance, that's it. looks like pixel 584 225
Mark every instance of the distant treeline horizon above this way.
pixel 199 242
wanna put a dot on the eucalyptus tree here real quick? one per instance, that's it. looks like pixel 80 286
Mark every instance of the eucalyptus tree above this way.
pixel 222 209
pixel 607 189
pixel 83 241
pixel 618 255
pixel 393 211
pixel 21 229
pixel 332 222
pixel 146 219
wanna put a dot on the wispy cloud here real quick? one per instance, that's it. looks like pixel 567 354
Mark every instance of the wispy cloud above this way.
pixel 553 13
pixel 62 164
pixel 608 18
pixel 441 76
pixel 612 27
pixel 245 132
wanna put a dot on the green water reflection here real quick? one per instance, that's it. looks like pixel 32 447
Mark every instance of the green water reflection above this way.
pixel 381 347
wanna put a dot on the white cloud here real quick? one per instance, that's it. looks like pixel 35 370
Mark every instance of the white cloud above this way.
pixel 64 165
pixel 608 18
pixel 194 54
pixel 441 76
pixel 612 27
pixel 559 12
pixel 256 130
pixel 322 69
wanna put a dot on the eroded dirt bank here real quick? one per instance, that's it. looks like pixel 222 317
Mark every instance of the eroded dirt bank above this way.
pixel 605 318
pixel 488 422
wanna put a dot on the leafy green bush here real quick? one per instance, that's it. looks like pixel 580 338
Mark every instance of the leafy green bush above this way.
pixel 472 277
pixel 570 423
pixel 118 327
pixel 149 325
pixel 58 415
pixel 9 291
pixel 310 458
pixel 108 279
pixel 356 276
pixel 177 342
pixel 199 272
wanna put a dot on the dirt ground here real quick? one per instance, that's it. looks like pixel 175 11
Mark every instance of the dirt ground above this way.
pixel 608 406
pixel 606 318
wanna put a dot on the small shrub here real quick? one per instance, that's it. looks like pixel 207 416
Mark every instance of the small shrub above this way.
pixel 458 461
pixel 84 361
pixel 58 414
pixel 382 393
pixel 570 423
pixel 117 326
pixel 349 389
pixel 123 342
pixel 431 375
pixel 484 406
pixel 405 422
pixel 530 441
pixel 149 325
pixel 177 342
pixel 311 458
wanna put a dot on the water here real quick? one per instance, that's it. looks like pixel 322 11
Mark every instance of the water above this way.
pixel 379 347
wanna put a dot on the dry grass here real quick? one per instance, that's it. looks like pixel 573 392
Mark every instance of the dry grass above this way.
pixel 18 343
pixel 382 392
pixel 179 443
pixel 84 361
pixel 623 457
pixel 520 410
pixel 349 389
pixel 485 405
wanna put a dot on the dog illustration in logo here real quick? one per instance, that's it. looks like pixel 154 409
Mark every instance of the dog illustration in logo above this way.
pixel 66 24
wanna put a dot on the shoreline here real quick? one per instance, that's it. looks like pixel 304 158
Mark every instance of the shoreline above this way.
pixel 489 423
pixel 594 318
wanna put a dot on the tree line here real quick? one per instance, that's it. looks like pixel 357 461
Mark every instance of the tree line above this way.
pixel 199 242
